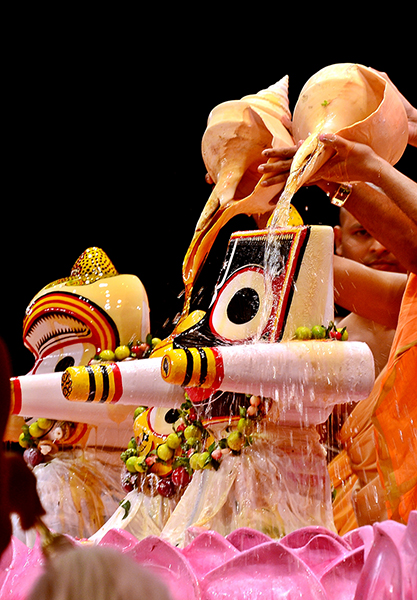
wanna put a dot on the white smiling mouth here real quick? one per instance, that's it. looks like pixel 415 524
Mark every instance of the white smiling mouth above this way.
pixel 54 327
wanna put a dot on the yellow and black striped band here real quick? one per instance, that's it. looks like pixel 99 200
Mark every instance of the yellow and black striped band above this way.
pixel 94 383
pixel 193 367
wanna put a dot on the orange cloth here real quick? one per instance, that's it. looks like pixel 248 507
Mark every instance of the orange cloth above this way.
pixel 344 483
pixel 380 435
pixel 395 414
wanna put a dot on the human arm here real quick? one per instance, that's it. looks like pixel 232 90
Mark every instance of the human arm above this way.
pixel 392 221
pixel 387 208
pixel 375 295
pixel 278 166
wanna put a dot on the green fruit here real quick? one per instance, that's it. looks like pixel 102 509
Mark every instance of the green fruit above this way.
pixel 173 441
pixel 303 333
pixel 155 341
pixel 23 441
pixel 107 355
pixel 122 352
pixel 35 431
pixel 235 441
pixel 131 464
pixel 245 426
pixel 140 464
pixel 44 423
pixel 139 411
pixel 318 332
pixel 191 442
pixel 345 335
pixel 164 452
pixel 195 461
pixel 192 432
pixel 202 460
pixel 132 443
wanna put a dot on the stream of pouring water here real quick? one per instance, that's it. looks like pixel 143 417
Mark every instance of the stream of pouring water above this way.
pixel 273 259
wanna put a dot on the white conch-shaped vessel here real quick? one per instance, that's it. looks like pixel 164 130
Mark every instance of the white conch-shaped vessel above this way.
pixel 237 133
pixel 354 102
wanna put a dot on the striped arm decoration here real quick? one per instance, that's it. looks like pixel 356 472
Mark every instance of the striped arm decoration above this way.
pixel 193 367
pixel 95 383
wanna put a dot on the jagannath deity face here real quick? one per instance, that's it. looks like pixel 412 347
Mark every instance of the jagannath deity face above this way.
pixel 72 319
pixel 241 310
pixel 151 428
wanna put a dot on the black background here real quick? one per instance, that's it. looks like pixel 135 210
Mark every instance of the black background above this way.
pixel 105 118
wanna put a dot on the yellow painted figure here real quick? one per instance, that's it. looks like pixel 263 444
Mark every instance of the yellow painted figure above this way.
pixel 67 323
pixel 71 320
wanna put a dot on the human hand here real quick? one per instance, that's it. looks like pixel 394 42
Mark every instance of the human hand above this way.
pixel 351 162
pixel 279 168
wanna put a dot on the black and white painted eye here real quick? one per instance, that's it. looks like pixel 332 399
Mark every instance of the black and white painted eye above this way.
pixel 241 308
pixel 172 415
pixel 63 357
pixel 158 422
pixel 64 363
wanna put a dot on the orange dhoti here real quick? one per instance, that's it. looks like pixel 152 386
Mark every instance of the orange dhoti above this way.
pixel 375 476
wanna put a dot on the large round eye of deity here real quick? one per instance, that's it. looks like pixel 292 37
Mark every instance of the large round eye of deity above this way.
pixel 241 308
pixel 150 429
pixel 63 357
pixel 161 421
pixel 153 426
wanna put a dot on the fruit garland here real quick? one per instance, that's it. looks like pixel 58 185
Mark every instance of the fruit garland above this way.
pixel 186 450
pixel 41 438
pixel 130 351
pixel 320 332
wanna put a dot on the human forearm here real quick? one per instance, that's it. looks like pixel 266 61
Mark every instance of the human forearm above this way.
pixel 375 295
pixel 388 213
pixel 386 221
pixel 398 187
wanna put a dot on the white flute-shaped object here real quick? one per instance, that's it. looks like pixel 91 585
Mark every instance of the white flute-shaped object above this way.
pixel 306 378
pixel 128 382
pixel 101 393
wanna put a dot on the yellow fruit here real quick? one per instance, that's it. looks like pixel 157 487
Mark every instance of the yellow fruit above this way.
pixel 122 352
pixel 195 461
pixel 107 355
pixel 202 460
pixel 235 441
pixel 140 464
pixel 245 426
pixel 131 464
pixel 24 443
pixel 303 333
pixel 35 431
pixel 164 452
pixel 173 441
pixel 192 432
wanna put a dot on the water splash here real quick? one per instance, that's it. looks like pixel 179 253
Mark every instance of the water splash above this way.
pixel 274 261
